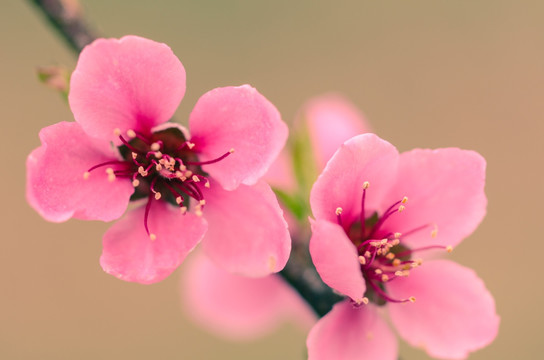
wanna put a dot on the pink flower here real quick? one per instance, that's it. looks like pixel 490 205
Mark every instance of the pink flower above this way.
pixel 246 308
pixel 185 187
pixel 367 241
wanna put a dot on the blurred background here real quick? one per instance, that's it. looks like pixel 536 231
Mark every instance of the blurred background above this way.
pixel 427 73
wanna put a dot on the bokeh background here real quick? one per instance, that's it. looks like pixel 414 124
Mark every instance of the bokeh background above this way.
pixel 427 73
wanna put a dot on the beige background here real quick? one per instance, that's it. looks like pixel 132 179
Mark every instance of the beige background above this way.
pixel 428 73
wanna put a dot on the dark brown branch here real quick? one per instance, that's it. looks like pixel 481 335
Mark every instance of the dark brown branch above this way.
pixel 67 18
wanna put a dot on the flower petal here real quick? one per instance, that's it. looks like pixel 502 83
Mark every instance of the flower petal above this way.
pixel 238 118
pixel 130 254
pixel 247 234
pixel 331 120
pixel 246 308
pixel 362 158
pixel 336 260
pixel 55 184
pixel 445 187
pixel 348 333
pixel 128 83
pixel 453 315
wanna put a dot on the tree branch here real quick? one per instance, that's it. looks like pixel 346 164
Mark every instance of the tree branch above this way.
pixel 66 16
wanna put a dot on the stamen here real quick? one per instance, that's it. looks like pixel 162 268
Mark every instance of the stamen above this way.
pixel 362 260
pixel 153 237
pixel 155 146
pixel 116 131
pixel 366 185
pixel 86 175
pixel 210 161
pixel 131 133
pixel 135 182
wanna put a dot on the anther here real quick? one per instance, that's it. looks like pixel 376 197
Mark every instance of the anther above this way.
pixel 338 211
pixel 390 256
pixel 86 175
pixel 158 167
pixel 116 131
pixel 397 235
pixel 364 300
pixel 449 248
pixel 362 260
pixel 155 146
pixel 131 133
pixel 190 145
pixel 183 209
pixel 395 242
pixel 385 278
pixel 404 200
pixel 179 200
pixel 202 202
pixel 195 178
pixel 396 262
pixel 401 208
pixel 207 184
pixel 111 175
pixel 188 174
pixel 412 299
pixel 231 150
pixel 158 195
pixel 434 232
pixel 153 237
pixel 135 182
pixel 366 185
pixel 367 254
pixel 134 155
pixel 158 154
pixel 378 271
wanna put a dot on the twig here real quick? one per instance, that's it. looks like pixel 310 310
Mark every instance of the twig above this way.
pixel 67 18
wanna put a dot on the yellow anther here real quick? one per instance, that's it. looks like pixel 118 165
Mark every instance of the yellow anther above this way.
pixel 198 212
pixel 179 200
pixel 396 262
pixel 207 184
pixel 449 248
pixel 384 241
pixel 390 256
pixel 404 200
pixel 272 263
pixel 364 300
pixel 182 167
pixel 195 178
pixel 109 171
pixel 367 254
pixel 231 150
pixel 397 235
pixel 401 208
pixel 202 202
pixel 86 175
pixel 158 167
pixel 190 145
pixel 188 174
pixel 153 237
pixel 155 146
pixel 338 211
pixel 378 271
pixel 158 195
pixel 179 174
pixel 158 154
pixel 116 131
pixel 131 133
pixel 135 182
pixel 366 185
pixel 134 155
pixel 362 260
pixel 395 242
pixel 183 209
pixel 434 232
pixel 385 278
pixel 412 299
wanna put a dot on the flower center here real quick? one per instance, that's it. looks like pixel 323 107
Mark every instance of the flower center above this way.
pixel 161 166
pixel 382 254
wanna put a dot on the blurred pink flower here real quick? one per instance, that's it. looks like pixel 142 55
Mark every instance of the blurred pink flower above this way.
pixel 253 307
pixel 367 240
pixel 237 307
pixel 123 92
pixel 327 120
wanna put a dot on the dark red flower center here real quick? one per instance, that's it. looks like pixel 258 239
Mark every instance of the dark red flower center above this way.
pixel 164 166
pixel 382 254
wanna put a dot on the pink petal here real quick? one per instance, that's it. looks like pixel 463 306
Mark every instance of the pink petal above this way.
pixel 130 83
pixel 453 315
pixel 131 255
pixel 237 118
pixel 336 260
pixel 348 333
pixel 280 174
pixel 445 187
pixel 362 158
pixel 238 307
pixel 331 120
pixel 247 234
pixel 55 184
